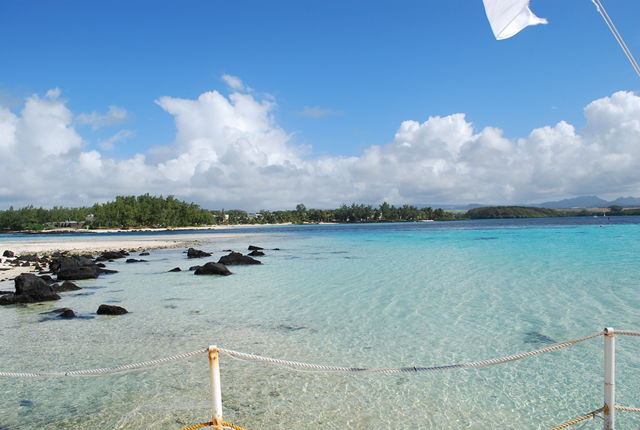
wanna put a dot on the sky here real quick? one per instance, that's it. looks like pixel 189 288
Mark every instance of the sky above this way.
pixel 255 104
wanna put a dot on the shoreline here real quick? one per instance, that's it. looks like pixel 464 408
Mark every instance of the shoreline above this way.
pixel 68 230
pixel 45 247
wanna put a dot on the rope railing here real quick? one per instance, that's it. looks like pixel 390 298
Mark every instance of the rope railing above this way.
pixel 584 417
pixel 104 370
pixel 412 369
pixel 214 370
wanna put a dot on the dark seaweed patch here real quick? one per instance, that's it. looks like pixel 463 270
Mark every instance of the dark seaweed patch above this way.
pixel 536 337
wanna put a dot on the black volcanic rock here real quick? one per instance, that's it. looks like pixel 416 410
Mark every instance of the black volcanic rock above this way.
pixel 74 268
pixel 29 289
pixel 66 286
pixel 133 260
pixel 111 255
pixel 67 314
pixel 213 269
pixel 196 253
pixel 111 310
pixel 235 258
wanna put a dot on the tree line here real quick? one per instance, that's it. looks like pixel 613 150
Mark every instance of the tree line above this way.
pixel 167 212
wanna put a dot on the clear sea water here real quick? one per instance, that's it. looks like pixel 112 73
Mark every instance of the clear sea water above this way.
pixel 365 295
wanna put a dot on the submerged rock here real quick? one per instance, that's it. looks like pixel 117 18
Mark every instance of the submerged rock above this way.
pixel 213 269
pixel 133 260
pixel 67 314
pixel 144 253
pixel 176 269
pixel 237 259
pixel 111 310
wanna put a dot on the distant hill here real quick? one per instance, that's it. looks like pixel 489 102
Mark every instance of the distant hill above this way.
pixel 626 202
pixel 576 202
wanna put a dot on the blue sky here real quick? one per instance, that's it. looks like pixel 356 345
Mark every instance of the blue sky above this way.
pixel 340 76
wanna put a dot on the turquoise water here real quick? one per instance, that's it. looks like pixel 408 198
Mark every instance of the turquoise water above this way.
pixel 367 295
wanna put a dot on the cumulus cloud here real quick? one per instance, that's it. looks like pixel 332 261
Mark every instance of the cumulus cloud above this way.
pixel 114 116
pixel 318 112
pixel 229 151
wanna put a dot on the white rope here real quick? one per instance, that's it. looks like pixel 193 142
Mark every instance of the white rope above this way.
pixel 627 332
pixel 607 19
pixel 391 370
pixel 316 367
pixel 103 370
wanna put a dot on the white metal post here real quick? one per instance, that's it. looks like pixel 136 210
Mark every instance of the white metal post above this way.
pixel 216 391
pixel 609 379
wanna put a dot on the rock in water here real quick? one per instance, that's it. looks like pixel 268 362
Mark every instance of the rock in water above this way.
pixel 111 310
pixel 133 260
pixel 74 268
pixel 256 253
pixel 237 259
pixel 196 253
pixel 255 248
pixel 213 269
pixel 29 289
pixel 67 314
pixel 66 286
pixel 176 269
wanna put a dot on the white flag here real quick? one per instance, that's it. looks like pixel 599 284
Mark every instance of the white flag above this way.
pixel 508 17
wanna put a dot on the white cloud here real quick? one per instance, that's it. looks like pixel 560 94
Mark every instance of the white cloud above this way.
pixel 114 116
pixel 318 112
pixel 235 83
pixel 231 152
pixel 109 144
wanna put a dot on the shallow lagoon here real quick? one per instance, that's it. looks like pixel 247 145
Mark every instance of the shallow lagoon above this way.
pixel 366 295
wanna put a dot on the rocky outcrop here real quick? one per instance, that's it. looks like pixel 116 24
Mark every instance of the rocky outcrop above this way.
pixel 256 253
pixel 255 248
pixel 29 289
pixel 111 310
pixel 112 255
pixel 8 254
pixel 196 253
pixel 235 258
pixel 213 269
pixel 76 268
pixel 66 286
pixel 176 269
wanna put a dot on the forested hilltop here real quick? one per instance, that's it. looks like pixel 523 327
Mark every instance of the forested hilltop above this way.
pixel 160 212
